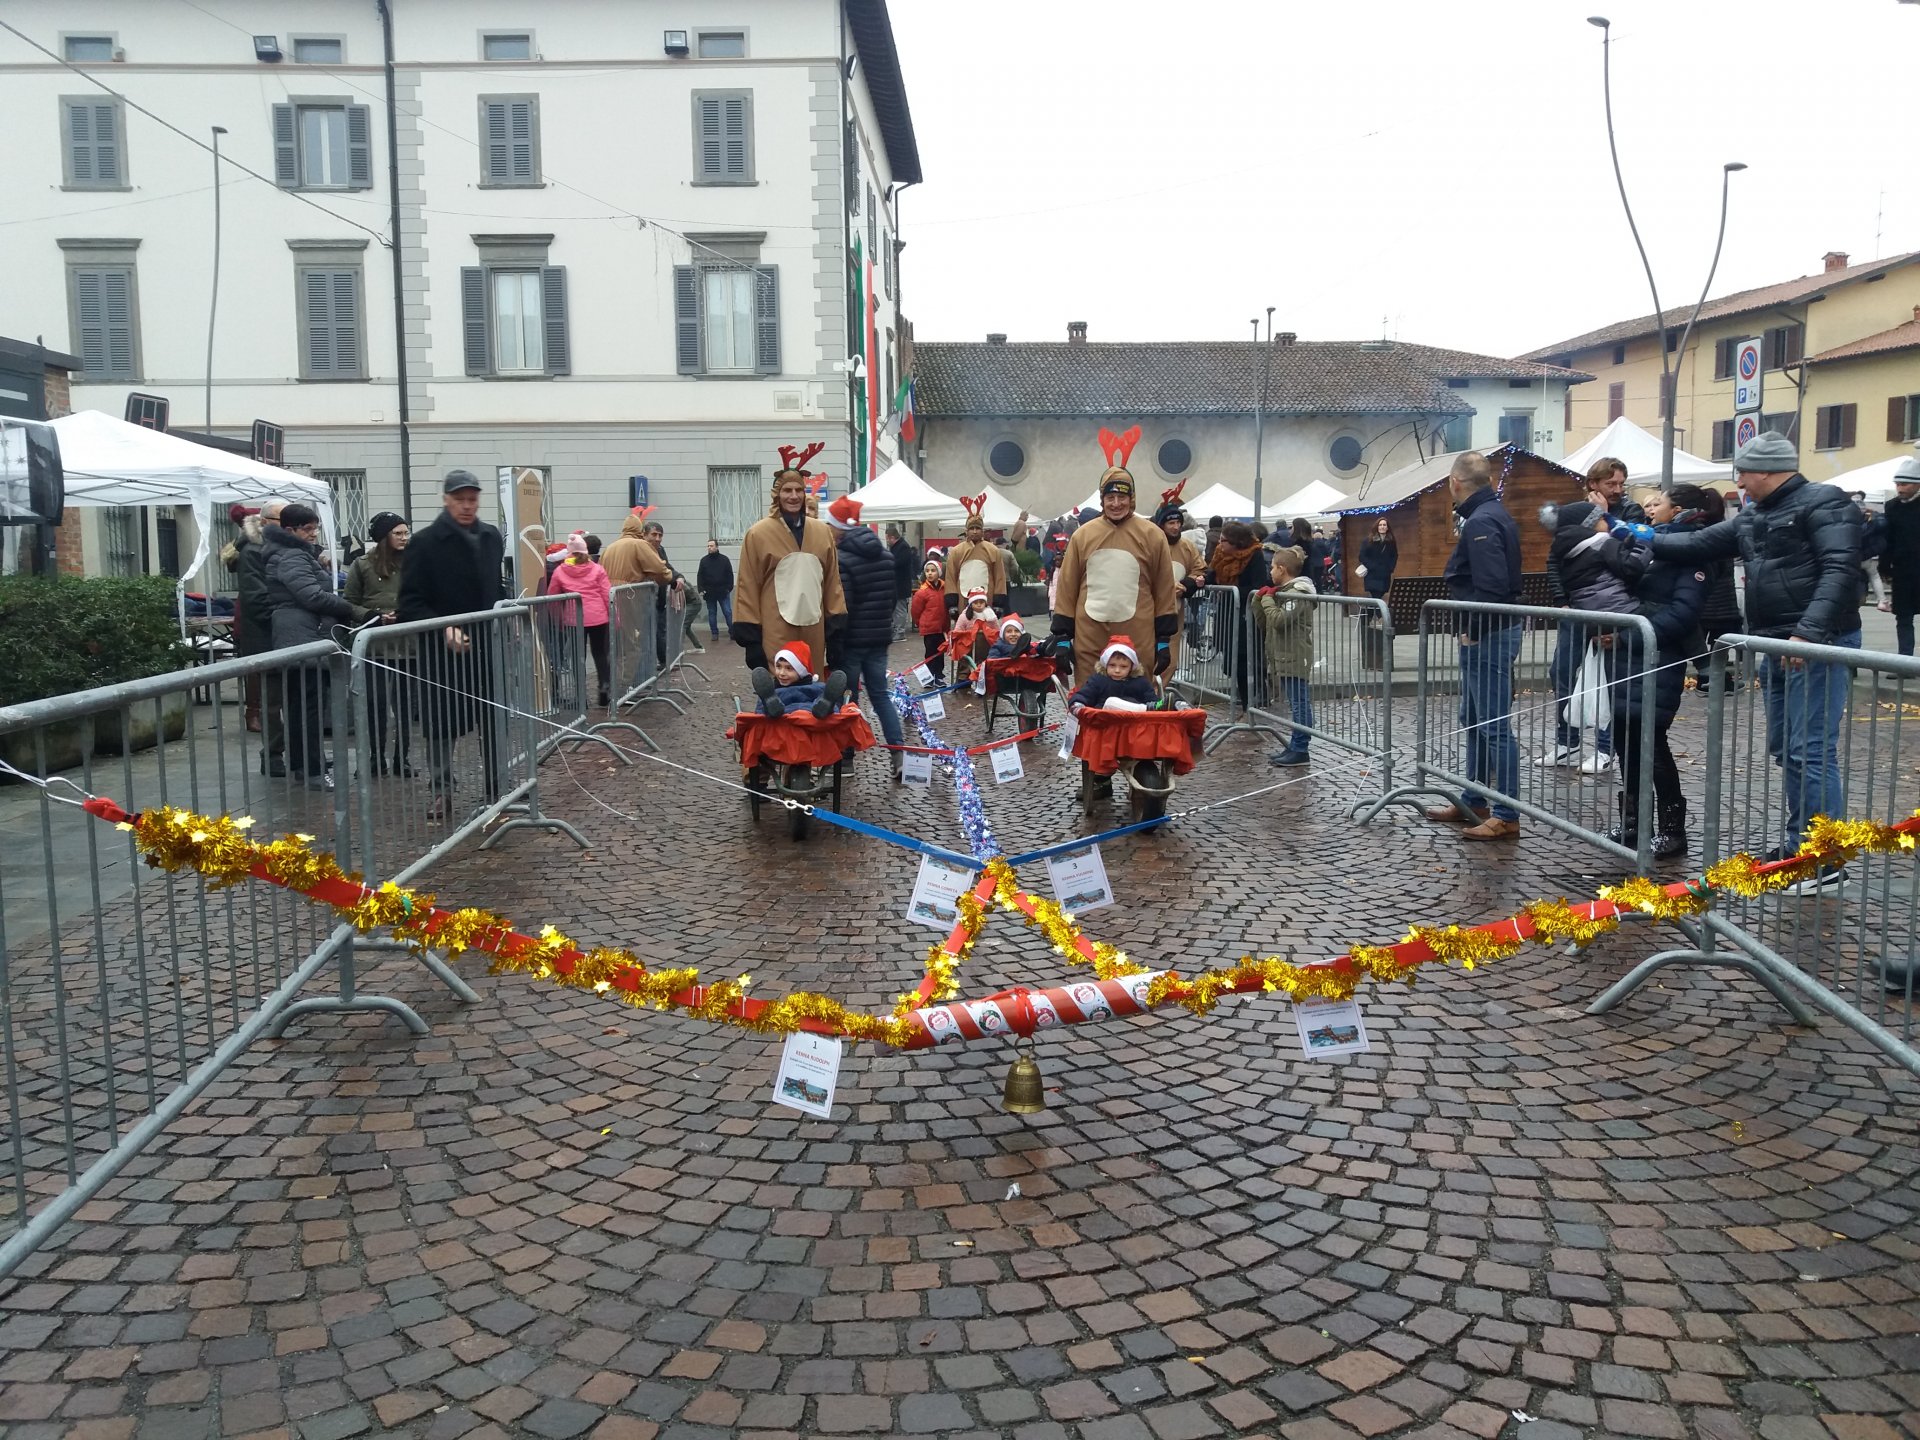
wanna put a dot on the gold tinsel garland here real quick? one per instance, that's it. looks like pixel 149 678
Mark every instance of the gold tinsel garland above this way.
pixel 220 849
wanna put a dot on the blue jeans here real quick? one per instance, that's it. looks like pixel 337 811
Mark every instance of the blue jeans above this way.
pixel 1569 654
pixel 1300 705
pixel 1486 715
pixel 869 668
pixel 718 609
pixel 1805 707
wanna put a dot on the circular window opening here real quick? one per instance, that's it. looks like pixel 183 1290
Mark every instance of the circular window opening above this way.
pixel 1344 454
pixel 1175 458
pixel 1006 459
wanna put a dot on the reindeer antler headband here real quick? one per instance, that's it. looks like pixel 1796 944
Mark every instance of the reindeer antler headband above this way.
pixel 1118 449
pixel 974 505
pixel 794 458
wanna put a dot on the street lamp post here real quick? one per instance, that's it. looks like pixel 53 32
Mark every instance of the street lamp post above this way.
pixel 1260 401
pixel 213 300
pixel 1669 359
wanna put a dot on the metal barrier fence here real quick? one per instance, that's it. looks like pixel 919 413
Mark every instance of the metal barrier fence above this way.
pixel 1813 730
pixel 560 692
pixel 633 637
pixel 1321 668
pixel 124 991
pixel 675 632
pixel 1505 718
pixel 476 696
pixel 1212 664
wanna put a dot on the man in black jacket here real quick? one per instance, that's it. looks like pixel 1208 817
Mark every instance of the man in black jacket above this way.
pixel 454 567
pixel 255 635
pixel 714 578
pixel 1485 569
pixel 906 575
pixel 1801 546
pixel 860 646
pixel 1900 553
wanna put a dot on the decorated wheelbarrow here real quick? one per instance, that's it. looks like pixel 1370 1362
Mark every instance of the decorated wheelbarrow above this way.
pixel 798 759
pixel 1023 681
pixel 1148 747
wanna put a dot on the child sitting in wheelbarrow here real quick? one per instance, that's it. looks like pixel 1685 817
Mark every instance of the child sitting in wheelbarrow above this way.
pixel 1118 685
pixel 791 685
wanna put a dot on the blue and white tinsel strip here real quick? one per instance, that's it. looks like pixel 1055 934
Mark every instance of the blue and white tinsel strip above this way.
pixel 973 813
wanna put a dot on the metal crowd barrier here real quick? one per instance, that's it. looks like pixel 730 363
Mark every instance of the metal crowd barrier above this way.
pixel 126 991
pixel 477 700
pixel 676 638
pixel 1345 695
pixel 633 638
pixel 560 693
pixel 1812 730
pixel 1212 665
pixel 1572 793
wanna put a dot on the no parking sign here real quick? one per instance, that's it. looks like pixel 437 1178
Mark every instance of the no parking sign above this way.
pixel 1746 377
pixel 1744 429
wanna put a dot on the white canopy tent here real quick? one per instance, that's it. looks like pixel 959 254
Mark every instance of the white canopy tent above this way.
pixel 899 494
pixel 109 462
pixel 1641 451
pixel 1313 499
pixel 999 513
pixel 1876 479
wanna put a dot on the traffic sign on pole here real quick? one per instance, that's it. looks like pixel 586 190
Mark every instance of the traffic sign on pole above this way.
pixel 1745 427
pixel 1746 377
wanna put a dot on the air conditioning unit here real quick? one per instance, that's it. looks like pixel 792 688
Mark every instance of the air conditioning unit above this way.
pixel 676 43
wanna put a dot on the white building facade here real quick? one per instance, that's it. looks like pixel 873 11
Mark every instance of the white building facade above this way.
pixel 626 234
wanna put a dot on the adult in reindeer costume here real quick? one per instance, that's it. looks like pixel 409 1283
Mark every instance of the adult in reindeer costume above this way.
pixel 788 585
pixel 1116 577
pixel 976 563
pixel 1187 560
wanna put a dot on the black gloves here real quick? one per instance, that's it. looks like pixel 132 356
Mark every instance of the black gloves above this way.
pixel 836 623
pixel 1000 607
pixel 747 637
pixel 953 610
pixel 1165 626
pixel 1162 657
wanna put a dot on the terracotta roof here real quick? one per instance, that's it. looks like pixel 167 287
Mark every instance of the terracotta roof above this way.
pixel 1207 377
pixel 1900 337
pixel 1423 475
pixel 1743 302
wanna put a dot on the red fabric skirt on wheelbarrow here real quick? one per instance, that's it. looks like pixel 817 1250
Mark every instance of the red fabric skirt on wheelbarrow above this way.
pixel 799 738
pixel 1109 736
pixel 1025 667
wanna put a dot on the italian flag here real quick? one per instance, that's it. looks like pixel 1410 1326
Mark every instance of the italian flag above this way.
pixel 866 456
pixel 901 421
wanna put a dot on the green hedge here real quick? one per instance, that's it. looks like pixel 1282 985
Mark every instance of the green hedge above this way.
pixel 58 636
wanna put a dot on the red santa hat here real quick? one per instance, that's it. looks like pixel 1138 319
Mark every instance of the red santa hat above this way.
pixel 844 513
pixel 797 654
pixel 978 592
pixel 557 549
pixel 1119 645
pixel 1012 622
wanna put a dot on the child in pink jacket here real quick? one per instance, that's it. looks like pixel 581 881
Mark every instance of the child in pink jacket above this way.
pixel 581 575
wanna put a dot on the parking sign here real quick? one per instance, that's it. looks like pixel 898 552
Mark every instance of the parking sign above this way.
pixel 1746 377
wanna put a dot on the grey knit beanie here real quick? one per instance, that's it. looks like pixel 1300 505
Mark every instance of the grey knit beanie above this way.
pixel 1768 453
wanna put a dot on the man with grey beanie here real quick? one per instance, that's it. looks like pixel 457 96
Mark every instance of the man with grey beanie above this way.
pixel 1800 543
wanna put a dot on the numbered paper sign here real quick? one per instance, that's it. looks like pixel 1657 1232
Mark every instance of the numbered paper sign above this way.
pixel 1069 732
pixel 933 707
pixel 916 769
pixel 1079 880
pixel 809 1068
pixel 922 676
pixel 1329 1028
pixel 1007 764
pixel 938 885
pixel 980 681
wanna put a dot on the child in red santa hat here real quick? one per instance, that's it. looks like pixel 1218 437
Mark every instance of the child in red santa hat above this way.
pixel 790 683
pixel 1118 684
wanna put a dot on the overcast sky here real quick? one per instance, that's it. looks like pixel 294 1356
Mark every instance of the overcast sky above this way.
pixel 1166 172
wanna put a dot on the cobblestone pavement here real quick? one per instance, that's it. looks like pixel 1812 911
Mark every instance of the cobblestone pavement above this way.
pixel 555 1217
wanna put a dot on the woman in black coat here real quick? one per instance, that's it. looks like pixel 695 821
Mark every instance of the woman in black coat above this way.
pixel 1379 554
pixel 1672 595
pixel 1720 612
pixel 305 608
pixel 1240 561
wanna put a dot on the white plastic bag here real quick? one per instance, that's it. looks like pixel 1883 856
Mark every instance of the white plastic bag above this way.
pixel 1589 707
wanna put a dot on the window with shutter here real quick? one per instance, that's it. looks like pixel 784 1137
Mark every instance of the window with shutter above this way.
pixel 102 303
pixel 93 153
pixel 323 145
pixel 475 343
pixel 1616 400
pixel 553 316
pixel 873 225
pixel 723 137
pixel 1722 440
pixel 330 324
pixel 767 320
pixel 686 320
pixel 509 140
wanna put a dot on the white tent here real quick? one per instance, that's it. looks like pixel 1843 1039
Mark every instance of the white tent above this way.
pixel 1316 497
pixel 1876 479
pixel 999 513
pixel 1641 451
pixel 899 494
pixel 1219 500
pixel 109 462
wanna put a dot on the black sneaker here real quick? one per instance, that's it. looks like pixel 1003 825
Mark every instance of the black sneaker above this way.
pixel 1288 759
pixel 836 691
pixel 763 682
pixel 822 708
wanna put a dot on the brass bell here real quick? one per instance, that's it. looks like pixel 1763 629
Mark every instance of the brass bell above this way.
pixel 1023 1094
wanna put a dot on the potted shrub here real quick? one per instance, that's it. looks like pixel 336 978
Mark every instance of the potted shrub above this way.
pixel 73 634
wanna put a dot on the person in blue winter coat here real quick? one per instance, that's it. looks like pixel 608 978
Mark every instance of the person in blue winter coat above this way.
pixel 1118 678
pixel 869 582
pixel 1672 594
pixel 790 684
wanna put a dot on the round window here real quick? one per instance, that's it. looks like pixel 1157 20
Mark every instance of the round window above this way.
pixel 1006 459
pixel 1175 458
pixel 1344 454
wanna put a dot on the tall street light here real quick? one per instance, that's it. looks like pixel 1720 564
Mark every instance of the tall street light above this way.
pixel 213 300
pixel 1265 354
pixel 1669 367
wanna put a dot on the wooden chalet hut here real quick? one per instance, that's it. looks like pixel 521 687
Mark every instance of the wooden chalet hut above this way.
pixel 1418 507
